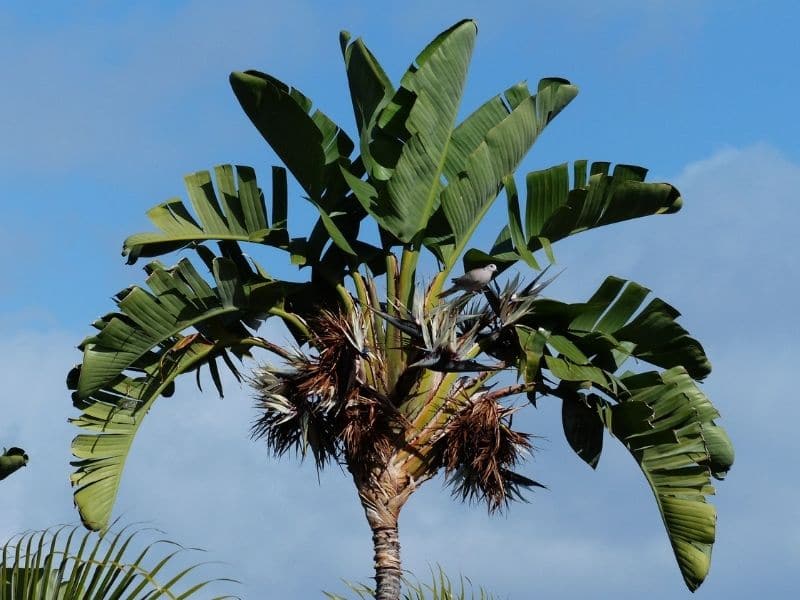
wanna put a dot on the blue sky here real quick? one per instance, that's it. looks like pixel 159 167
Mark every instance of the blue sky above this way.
pixel 105 108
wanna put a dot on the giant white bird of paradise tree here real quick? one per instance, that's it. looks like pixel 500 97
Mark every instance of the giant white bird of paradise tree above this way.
pixel 389 379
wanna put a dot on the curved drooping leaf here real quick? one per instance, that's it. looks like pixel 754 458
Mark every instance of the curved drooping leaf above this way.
pixel 613 325
pixel 311 145
pixel 664 419
pixel 63 564
pixel 235 213
pixel 150 320
pixel 12 460
pixel 582 429
pixel 553 211
pixel 140 350
pixel 113 414
pixel 667 424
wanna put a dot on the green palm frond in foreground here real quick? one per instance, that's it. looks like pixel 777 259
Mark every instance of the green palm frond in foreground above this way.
pixel 65 563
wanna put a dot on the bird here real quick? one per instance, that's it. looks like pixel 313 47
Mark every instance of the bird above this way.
pixel 471 281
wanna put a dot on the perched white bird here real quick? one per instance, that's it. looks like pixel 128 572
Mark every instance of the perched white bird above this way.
pixel 471 281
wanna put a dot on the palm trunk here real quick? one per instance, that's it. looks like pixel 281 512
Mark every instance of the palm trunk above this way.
pixel 382 498
pixel 388 571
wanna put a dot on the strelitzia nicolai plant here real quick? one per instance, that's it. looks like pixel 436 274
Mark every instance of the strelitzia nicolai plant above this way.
pixel 388 378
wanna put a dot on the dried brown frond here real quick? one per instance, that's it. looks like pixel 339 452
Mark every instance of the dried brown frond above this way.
pixel 321 402
pixel 366 434
pixel 291 419
pixel 341 349
pixel 479 449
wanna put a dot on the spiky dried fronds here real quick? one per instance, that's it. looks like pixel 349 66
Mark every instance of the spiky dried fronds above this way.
pixel 340 341
pixel 366 434
pixel 479 449
pixel 322 402
pixel 291 419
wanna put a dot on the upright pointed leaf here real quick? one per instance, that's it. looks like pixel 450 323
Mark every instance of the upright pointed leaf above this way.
pixel 235 212
pixel 309 144
pixel 515 224
pixel 430 92
pixel 370 87
pixel 475 179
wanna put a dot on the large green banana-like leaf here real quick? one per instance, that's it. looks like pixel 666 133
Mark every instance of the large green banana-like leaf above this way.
pixel 440 179
pixel 236 213
pixel 149 322
pixel 663 419
pixel 418 123
pixel 543 349
pixel 63 564
pixel 370 91
pixel 315 149
pixel 311 145
pixel 113 414
pixel 667 424
pixel 553 211
pixel 141 349
pixel 487 147
pixel 586 344
pixel 614 324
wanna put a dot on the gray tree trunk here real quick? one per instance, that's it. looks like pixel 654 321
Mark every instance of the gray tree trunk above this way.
pixel 388 571
pixel 383 496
